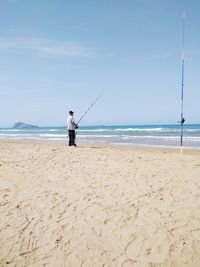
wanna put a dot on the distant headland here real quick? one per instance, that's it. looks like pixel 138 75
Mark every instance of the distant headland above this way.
pixel 23 125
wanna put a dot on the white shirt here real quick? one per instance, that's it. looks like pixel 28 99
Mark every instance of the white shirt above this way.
pixel 70 123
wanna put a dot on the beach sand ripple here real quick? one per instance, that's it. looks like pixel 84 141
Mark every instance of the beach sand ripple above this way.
pixel 98 206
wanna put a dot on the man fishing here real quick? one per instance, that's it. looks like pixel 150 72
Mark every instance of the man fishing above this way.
pixel 71 129
pixel 72 126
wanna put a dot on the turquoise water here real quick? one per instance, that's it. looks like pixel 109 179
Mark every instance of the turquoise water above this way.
pixel 155 135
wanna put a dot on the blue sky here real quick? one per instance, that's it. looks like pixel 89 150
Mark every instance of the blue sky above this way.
pixel 57 55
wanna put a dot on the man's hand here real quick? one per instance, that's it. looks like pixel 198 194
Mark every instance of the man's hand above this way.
pixel 76 126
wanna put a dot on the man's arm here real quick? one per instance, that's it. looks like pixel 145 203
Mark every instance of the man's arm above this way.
pixel 75 125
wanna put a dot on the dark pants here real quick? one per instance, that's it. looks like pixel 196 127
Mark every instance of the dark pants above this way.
pixel 72 137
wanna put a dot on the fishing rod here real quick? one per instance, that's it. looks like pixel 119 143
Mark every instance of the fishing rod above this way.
pixel 89 108
pixel 182 79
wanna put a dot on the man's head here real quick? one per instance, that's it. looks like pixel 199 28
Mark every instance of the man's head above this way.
pixel 71 112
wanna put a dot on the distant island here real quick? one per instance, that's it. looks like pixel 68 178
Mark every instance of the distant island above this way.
pixel 23 125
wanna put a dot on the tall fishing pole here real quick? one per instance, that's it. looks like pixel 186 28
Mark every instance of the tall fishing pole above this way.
pixel 89 108
pixel 182 79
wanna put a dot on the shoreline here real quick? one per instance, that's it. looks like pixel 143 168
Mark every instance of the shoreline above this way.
pixel 117 145
pixel 125 135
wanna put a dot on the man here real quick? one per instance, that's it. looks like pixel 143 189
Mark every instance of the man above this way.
pixel 71 128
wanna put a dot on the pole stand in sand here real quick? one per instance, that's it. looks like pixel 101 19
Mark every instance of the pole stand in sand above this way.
pixel 182 81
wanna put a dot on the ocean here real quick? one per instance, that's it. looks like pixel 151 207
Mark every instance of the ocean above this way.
pixel 145 135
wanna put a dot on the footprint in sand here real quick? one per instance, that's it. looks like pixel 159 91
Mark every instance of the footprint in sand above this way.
pixel 150 247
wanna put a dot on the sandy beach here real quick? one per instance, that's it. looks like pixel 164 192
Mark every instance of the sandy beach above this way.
pixel 98 206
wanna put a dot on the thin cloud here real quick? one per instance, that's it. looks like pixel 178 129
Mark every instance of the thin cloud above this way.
pixel 46 47
pixel 50 48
